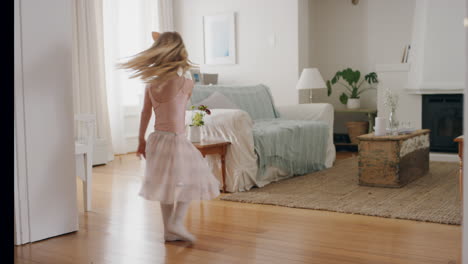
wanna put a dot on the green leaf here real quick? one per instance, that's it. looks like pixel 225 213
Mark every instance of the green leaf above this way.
pixel 335 78
pixel 344 98
pixel 329 90
pixel 350 76
pixel 371 78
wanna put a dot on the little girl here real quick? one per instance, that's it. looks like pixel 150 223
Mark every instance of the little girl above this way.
pixel 176 172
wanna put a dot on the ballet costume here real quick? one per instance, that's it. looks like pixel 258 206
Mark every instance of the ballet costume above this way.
pixel 176 172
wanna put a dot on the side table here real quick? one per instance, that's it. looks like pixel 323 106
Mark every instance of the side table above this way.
pixel 460 155
pixel 371 114
pixel 215 148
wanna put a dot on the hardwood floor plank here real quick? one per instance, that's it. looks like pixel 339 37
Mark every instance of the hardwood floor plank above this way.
pixel 124 228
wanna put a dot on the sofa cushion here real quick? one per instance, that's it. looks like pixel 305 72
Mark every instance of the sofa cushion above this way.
pixel 218 101
pixel 256 100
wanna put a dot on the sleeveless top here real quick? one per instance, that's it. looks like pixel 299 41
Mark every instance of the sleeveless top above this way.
pixel 169 100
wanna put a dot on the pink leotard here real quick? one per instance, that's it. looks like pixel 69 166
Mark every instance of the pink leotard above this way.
pixel 169 100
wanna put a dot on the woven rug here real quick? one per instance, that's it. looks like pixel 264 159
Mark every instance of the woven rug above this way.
pixel 431 198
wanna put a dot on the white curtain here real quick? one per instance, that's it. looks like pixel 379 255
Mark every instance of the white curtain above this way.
pixel 127 31
pixel 89 84
pixel 166 15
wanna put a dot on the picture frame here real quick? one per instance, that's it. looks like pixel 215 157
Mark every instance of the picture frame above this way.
pixel 197 77
pixel 219 39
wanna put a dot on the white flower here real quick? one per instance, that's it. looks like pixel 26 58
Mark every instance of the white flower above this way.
pixel 391 99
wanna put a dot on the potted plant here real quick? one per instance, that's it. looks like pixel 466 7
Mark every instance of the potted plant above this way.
pixel 354 86
pixel 198 112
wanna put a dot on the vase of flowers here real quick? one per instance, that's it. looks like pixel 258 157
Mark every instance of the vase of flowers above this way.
pixel 198 113
pixel 391 102
pixel 353 84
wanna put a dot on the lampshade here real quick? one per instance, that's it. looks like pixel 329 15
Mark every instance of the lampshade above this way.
pixel 310 79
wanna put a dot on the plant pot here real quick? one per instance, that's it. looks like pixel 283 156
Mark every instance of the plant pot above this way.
pixel 353 103
pixel 356 129
pixel 194 133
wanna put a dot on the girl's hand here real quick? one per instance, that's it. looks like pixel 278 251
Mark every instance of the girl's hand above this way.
pixel 141 149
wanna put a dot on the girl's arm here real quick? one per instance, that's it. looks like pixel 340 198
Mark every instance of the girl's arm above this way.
pixel 144 120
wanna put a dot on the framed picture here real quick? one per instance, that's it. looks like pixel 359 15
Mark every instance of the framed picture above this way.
pixel 219 35
pixel 197 77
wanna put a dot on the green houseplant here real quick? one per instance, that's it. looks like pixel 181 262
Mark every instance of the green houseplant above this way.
pixel 354 85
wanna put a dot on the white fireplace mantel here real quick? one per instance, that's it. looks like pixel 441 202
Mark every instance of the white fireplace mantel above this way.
pixel 433 91
pixel 437 48
pixel 396 67
pixel 395 78
pixel 403 70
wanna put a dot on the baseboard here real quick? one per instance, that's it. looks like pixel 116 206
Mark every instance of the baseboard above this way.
pixel 445 157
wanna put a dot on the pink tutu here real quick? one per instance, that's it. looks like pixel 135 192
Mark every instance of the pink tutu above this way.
pixel 176 170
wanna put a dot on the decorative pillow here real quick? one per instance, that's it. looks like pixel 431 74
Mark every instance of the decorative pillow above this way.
pixel 218 100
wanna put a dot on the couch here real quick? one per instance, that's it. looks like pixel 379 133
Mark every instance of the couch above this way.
pixel 268 142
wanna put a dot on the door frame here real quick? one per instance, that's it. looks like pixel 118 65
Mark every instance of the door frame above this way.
pixel 21 224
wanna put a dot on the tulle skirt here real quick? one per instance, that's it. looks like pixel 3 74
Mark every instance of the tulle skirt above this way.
pixel 176 170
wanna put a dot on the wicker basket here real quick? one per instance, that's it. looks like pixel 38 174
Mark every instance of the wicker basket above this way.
pixel 356 129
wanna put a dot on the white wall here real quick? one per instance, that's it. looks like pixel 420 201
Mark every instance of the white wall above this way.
pixel 259 60
pixel 436 54
pixel 358 36
pixel 438 47
pixel 304 26
pixel 395 78
pixel 45 173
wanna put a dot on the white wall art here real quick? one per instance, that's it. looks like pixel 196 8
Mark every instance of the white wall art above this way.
pixel 197 77
pixel 219 33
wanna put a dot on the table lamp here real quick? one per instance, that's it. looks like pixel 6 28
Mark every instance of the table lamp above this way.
pixel 310 79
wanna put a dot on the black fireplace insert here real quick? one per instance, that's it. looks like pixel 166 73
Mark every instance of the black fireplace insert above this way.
pixel 443 115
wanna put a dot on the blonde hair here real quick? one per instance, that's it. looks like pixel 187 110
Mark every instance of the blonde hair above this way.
pixel 161 60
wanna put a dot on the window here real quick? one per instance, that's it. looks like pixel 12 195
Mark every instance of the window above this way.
pixel 127 31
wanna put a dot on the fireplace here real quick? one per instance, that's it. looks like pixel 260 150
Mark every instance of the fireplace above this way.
pixel 443 115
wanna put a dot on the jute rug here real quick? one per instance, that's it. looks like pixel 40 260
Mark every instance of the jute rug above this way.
pixel 432 198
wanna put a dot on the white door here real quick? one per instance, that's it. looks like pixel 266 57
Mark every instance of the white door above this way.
pixel 45 184
pixel 465 148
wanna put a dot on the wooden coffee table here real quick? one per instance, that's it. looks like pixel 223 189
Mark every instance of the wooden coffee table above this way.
pixel 393 161
pixel 220 148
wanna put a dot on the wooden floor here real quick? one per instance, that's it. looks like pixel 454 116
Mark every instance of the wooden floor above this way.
pixel 124 228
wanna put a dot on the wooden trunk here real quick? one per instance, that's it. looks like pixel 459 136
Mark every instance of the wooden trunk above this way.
pixel 393 161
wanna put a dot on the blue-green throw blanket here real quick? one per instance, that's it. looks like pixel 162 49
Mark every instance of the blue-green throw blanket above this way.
pixel 256 100
pixel 295 146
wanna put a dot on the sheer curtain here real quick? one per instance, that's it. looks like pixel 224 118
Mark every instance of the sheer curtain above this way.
pixel 89 84
pixel 165 15
pixel 127 31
